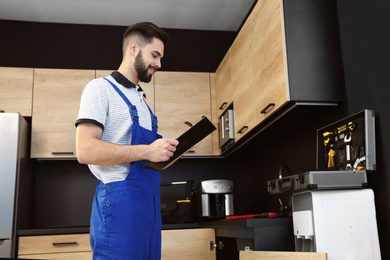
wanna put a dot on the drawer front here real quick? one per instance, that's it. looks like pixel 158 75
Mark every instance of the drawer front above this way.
pixel 60 256
pixel 53 244
pixel 188 244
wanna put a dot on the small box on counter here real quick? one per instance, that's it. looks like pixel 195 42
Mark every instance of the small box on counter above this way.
pixel 178 202
pixel 345 153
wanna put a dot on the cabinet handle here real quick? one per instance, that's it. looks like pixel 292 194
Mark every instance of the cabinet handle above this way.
pixel 213 245
pixel 64 243
pixel 62 153
pixel 188 123
pixel 191 151
pixel 242 129
pixel 264 111
pixel 223 106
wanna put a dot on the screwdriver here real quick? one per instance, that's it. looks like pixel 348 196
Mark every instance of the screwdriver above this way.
pixel 261 215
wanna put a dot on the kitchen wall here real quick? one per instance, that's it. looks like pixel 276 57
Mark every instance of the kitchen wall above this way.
pixel 365 41
pixel 50 45
pixel 365 46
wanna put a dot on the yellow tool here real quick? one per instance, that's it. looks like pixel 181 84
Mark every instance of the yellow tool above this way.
pixel 331 158
pixel 328 138
pixel 350 126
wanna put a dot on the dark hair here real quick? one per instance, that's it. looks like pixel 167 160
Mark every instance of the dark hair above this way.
pixel 145 31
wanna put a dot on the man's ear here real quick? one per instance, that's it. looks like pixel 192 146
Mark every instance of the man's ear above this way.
pixel 133 46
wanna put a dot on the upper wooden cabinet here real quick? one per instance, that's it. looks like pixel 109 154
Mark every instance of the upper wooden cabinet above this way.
pixel 269 66
pixel 223 84
pixel 16 89
pixel 214 117
pixel 181 97
pixel 286 53
pixel 56 104
pixel 242 81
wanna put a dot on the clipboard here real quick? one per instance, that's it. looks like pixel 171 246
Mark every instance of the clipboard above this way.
pixel 187 140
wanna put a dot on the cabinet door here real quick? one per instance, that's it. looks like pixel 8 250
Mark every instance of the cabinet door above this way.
pixel 250 255
pixel 188 244
pixel 269 56
pixel 56 103
pixel 242 81
pixel 60 256
pixel 181 97
pixel 214 116
pixel 223 84
pixel 16 86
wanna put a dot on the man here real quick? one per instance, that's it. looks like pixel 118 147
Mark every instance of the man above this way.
pixel 116 135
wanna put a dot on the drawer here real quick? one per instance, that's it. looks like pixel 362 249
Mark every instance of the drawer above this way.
pixel 60 256
pixel 53 244
pixel 188 244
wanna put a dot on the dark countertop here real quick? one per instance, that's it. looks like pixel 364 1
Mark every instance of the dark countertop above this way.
pixel 236 228
pixel 252 222
pixel 52 231
pixel 247 228
pixel 265 234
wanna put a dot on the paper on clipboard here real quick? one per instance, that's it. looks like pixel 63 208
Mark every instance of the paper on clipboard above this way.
pixel 186 141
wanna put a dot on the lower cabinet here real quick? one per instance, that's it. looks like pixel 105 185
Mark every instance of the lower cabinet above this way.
pixel 188 244
pixel 177 244
pixel 72 246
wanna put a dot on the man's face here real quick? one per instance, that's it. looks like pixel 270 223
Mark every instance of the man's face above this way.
pixel 148 60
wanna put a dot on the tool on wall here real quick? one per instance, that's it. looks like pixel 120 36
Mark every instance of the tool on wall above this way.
pixel 347 141
pixel 329 139
pixel 335 142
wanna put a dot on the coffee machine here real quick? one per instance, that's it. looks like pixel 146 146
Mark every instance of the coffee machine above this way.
pixel 217 198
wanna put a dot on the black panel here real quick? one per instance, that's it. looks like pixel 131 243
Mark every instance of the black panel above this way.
pixel 63 194
pixel 313 50
pixel 366 51
pixel 51 45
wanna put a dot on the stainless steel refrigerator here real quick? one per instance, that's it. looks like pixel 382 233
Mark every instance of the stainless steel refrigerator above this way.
pixel 14 160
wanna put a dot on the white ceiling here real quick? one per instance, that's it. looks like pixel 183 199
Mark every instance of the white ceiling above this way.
pixel 224 15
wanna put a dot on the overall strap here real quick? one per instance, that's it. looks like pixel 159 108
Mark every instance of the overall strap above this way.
pixel 133 109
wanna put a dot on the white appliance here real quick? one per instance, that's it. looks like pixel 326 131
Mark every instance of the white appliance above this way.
pixel 14 158
pixel 341 223
pixel 226 129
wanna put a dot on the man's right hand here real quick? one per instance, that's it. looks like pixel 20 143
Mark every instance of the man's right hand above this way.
pixel 162 149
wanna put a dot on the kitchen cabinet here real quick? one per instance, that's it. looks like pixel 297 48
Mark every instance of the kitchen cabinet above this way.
pixel 223 84
pixel 259 234
pixel 178 244
pixel 181 97
pixel 270 77
pixel 252 255
pixel 214 116
pixel 175 97
pixel 16 88
pixel 55 107
pixel 188 244
pixel 242 81
pixel 70 246
pixel 286 54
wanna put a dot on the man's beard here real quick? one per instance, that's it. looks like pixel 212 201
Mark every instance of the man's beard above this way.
pixel 142 69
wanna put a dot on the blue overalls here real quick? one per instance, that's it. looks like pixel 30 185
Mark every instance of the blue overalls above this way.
pixel 126 219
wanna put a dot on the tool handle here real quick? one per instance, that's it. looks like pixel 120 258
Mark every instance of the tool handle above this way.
pixel 262 215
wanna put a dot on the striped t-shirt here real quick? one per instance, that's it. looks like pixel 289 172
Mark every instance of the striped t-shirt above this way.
pixel 102 105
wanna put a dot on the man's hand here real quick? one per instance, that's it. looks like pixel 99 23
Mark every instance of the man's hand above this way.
pixel 162 149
